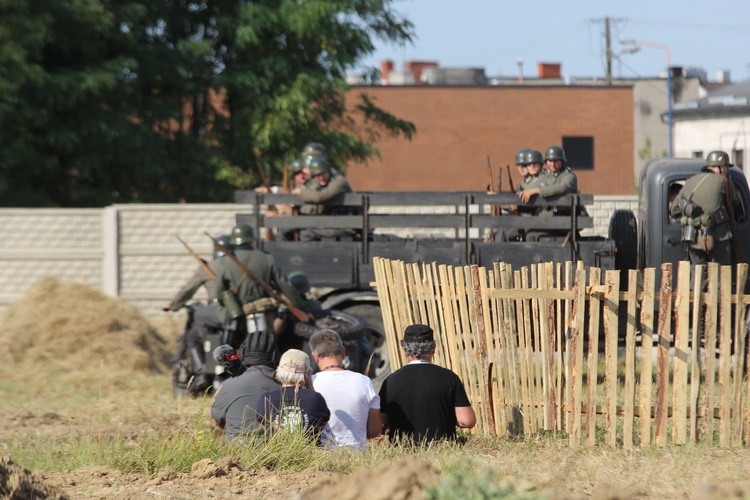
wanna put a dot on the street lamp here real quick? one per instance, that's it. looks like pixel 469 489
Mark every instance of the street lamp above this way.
pixel 636 44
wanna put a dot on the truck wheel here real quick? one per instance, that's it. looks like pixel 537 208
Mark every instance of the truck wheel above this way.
pixel 348 326
pixel 380 363
pixel 623 230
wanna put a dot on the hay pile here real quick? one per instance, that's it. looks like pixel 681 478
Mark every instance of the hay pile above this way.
pixel 61 328
pixel 18 482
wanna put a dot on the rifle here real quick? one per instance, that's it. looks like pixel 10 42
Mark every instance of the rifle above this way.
pixel 512 188
pixel 738 251
pixel 496 211
pixel 286 181
pixel 262 171
pixel 510 180
pixel 298 313
pixel 264 175
pixel 197 257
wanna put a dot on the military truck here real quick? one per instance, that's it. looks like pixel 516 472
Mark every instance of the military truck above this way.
pixel 460 228
pixel 651 237
pixel 454 228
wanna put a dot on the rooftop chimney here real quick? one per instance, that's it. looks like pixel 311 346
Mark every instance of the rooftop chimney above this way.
pixel 416 68
pixel 386 66
pixel 549 70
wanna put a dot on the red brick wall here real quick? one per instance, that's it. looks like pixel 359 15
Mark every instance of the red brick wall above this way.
pixel 458 126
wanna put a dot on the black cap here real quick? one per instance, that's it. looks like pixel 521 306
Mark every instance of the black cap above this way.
pixel 418 333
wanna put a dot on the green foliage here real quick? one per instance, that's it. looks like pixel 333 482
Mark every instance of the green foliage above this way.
pixel 467 480
pixel 140 101
pixel 646 152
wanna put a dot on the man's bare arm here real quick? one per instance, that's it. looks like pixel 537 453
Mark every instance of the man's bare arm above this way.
pixel 465 417
pixel 384 420
pixel 374 423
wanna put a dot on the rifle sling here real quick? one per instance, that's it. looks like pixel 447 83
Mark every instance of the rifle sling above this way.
pixel 244 274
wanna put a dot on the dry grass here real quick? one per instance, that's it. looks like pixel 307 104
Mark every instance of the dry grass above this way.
pixel 88 381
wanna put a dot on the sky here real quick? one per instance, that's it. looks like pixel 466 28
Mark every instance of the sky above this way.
pixel 495 34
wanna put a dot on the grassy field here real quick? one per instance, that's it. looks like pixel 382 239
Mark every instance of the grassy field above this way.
pixel 86 403
pixel 133 425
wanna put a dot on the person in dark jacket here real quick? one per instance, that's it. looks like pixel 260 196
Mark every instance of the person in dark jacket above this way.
pixel 235 407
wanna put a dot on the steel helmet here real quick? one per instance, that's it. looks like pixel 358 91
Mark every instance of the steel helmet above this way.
pixel 300 281
pixel 319 165
pixel 521 156
pixel 225 240
pixel 296 165
pixel 718 159
pixel 307 158
pixel 314 147
pixel 533 156
pixel 242 234
pixel 555 153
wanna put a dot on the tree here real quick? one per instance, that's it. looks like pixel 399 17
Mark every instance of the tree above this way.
pixel 106 101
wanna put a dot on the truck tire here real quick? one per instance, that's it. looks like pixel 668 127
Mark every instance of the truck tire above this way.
pixel 380 363
pixel 623 230
pixel 354 330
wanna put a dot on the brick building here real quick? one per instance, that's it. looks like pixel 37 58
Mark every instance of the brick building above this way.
pixel 458 126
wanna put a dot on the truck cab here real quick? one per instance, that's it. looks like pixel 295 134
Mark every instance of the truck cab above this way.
pixel 651 237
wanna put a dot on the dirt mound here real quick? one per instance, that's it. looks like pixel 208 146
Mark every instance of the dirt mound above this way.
pixel 17 482
pixel 60 327
pixel 401 480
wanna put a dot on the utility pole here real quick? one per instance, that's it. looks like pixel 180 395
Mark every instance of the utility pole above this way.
pixel 608 39
pixel 608 43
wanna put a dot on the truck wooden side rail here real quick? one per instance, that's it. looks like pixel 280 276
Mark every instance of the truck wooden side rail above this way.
pixel 455 228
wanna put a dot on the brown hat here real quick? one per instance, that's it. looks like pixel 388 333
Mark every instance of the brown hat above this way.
pixel 294 361
pixel 418 333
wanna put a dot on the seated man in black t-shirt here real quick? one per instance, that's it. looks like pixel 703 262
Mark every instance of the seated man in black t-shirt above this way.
pixel 295 407
pixel 423 401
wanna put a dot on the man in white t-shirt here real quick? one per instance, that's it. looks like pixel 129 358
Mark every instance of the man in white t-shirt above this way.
pixel 351 397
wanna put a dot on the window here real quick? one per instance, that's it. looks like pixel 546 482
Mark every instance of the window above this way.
pixel 673 191
pixel 697 154
pixel 579 152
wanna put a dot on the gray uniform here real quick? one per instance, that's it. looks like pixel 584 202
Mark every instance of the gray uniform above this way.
pixel 199 278
pixel 228 275
pixel 707 190
pixel 563 181
pixel 551 184
pixel 323 200
pixel 318 198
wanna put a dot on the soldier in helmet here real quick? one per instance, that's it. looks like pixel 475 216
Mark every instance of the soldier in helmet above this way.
pixel 199 278
pixel 301 282
pixel 323 198
pixel 521 166
pixel 529 163
pixel 231 281
pixel 533 160
pixel 300 173
pixel 704 208
pixel 557 180
pixel 314 148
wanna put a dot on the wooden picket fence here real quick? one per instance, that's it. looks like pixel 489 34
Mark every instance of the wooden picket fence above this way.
pixel 552 347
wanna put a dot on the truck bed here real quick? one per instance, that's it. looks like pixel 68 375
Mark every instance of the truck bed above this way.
pixel 454 228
